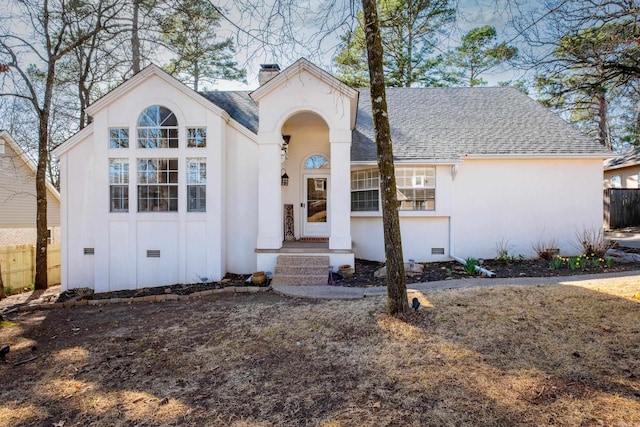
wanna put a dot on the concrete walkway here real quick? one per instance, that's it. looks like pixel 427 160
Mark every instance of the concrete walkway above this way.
pixel 340 292
pixel 627 237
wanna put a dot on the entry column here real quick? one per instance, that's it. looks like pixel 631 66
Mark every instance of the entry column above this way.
pixel 340 194
pixel 269 195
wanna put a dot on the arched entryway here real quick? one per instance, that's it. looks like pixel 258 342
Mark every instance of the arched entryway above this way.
pixel 306 160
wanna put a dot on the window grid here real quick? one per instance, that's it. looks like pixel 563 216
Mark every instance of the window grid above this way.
pixel 196 185
pixel 157 185
pixel 196 137
pixel 416 188
pixel 119 185
pixel 118 138
pixel 157 128
pixel 365 190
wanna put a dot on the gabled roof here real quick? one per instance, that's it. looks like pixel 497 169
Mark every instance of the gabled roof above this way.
pixel 442 124
pixel 4 135
pixel 626 159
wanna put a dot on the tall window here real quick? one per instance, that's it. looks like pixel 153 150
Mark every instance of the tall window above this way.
pixel 119 185
pixel 196 185
pixel 118 138
pixel 157 128
pixel 365 190
pixel 416 188
pixel 157 185
pixel 197 137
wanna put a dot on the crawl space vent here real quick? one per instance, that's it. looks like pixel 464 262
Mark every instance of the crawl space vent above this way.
pixel 89 251
pixel 153 253
pixel 437 251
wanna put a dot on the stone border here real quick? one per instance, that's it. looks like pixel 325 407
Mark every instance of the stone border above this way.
pixel 148 298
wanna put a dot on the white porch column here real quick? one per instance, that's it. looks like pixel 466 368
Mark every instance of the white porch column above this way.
pixel 340 191
pixel 269 194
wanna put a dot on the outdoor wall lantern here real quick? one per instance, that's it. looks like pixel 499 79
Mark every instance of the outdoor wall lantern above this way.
pixel 284 179
pixel 285 148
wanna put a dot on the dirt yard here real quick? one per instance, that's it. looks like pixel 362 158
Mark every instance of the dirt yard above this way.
pixel 545 355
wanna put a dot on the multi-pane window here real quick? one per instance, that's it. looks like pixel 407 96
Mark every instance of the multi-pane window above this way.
pixel 157 128
pixel 316 162
pixel 197 137
pixel 365 190
pixel 416 188
pixel 118 138
pixel 119 185
pixel 196 185
pixel 157 185
pixel 616 181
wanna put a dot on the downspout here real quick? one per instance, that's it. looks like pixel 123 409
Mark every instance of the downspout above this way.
pixel 479 269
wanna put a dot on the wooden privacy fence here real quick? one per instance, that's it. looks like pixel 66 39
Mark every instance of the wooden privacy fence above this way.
pixel 18 265
pixel 621 207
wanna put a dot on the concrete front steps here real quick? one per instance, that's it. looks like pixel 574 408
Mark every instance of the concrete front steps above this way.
pixel 301 270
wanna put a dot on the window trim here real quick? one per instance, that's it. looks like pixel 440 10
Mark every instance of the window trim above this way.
pixel 368 176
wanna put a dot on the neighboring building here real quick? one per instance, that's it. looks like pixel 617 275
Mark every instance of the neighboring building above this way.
pixel 623 171
pixel 167 185
pixel 18 197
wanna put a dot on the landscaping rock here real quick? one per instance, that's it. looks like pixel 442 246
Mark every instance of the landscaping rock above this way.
pixel 411 269
pixel 623 257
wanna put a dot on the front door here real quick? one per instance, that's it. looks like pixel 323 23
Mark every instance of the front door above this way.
pixel 315 209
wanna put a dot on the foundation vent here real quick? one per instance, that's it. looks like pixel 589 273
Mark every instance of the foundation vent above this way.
pixel 153 253
pixel 437 251
pixel 89 251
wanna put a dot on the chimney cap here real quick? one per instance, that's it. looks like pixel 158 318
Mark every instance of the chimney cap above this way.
pixel 269 67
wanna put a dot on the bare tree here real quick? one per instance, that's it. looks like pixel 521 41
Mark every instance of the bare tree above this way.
pixel 49 42
pixel 397 303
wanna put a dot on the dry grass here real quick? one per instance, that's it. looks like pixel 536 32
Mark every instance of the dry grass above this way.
pixel 547 355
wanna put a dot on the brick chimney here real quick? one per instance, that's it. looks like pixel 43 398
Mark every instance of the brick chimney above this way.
pixel 267 72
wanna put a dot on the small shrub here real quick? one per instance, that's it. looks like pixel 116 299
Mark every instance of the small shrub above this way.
pixel 8 291
pixel 595 262
pixel 503 247
pixel 608 261
pixel 591 241
pixel 470 265
pixel 546 249
pixel 557 262
pixel 573 262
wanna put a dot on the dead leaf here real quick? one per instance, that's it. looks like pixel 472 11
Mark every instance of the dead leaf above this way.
pixel 59 423
pixel 377 405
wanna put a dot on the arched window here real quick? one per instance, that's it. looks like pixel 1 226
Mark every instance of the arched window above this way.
pixel 157 128
pixel 316 162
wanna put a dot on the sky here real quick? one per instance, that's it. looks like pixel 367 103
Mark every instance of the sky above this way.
pixel 474 13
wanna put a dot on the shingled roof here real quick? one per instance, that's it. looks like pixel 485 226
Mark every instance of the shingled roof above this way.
pixel 628 158
pixel 441 124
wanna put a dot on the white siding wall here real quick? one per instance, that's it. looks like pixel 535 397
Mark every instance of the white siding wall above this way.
pixel 523 201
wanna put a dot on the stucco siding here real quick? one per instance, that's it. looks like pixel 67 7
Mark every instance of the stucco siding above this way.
pixel 520 202
pixel 628 177
pixel 241 202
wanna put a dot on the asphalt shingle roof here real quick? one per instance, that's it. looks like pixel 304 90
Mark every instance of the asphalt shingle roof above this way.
pixel 448 123
pixel 628 158
pixel 238 104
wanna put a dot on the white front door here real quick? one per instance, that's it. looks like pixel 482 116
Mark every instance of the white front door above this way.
pixel 315 212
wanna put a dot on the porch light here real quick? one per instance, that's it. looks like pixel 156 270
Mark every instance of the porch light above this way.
pixel 284 179
pixel 285 147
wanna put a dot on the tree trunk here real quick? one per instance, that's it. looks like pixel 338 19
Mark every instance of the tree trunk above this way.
pixel 135 37
pixel 40 281
pixel 397 303
pixel 602 118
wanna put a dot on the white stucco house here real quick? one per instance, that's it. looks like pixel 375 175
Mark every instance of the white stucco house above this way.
pixel 167 185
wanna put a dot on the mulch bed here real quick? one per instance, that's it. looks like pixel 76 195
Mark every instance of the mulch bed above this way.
pixel 364 277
